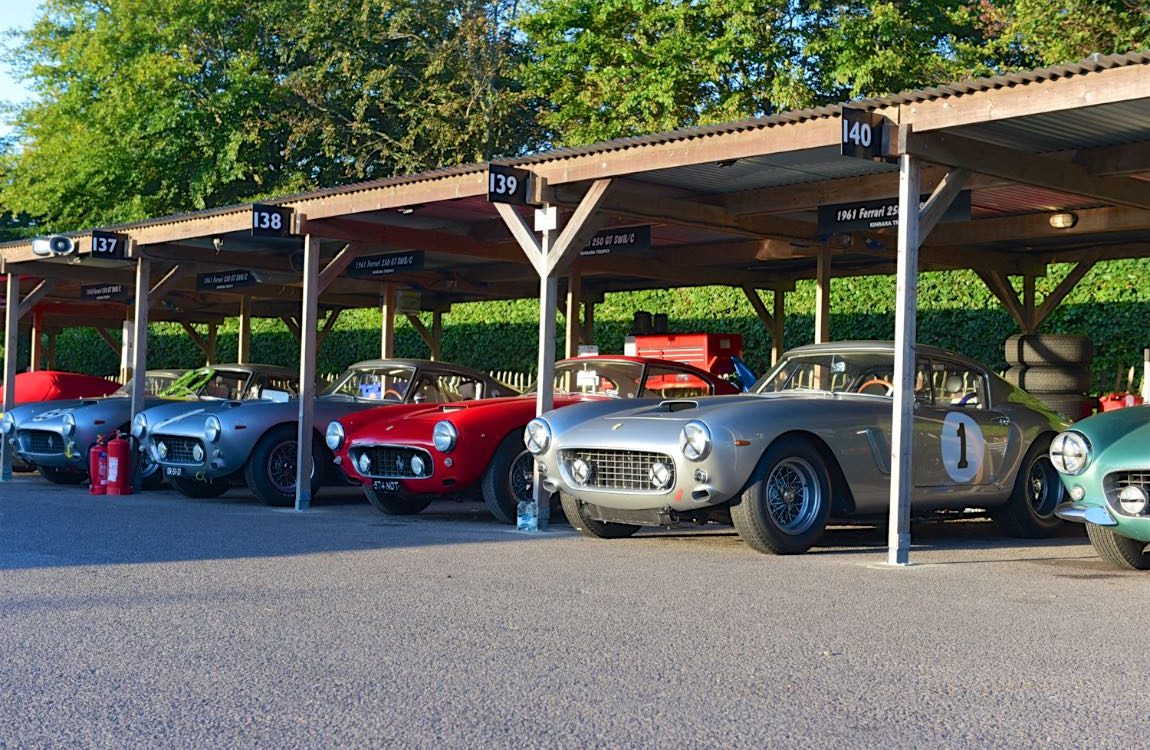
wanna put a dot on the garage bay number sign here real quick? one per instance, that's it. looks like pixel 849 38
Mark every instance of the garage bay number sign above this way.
pixel 629 239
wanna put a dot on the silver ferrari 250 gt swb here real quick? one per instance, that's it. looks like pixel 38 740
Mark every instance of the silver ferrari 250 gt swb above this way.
pixel 807 446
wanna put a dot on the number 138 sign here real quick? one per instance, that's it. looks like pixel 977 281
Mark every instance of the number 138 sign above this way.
pixel 271 221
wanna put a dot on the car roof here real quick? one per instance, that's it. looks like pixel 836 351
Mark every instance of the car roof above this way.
pixel 884 347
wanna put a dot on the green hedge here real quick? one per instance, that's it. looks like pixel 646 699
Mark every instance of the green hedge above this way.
pixel 956 311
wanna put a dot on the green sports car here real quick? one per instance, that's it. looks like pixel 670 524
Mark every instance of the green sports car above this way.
pixel 1104 461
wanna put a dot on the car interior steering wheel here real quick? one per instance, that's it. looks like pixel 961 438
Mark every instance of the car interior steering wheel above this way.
pixel 866 387
pixel 392 395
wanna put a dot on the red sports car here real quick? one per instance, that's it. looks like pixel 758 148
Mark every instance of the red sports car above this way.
pixel 447 449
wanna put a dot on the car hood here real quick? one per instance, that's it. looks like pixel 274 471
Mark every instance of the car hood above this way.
pixel 1124 431
pixel 85 411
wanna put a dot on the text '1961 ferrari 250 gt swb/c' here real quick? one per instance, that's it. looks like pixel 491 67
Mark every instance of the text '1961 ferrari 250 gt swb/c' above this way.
pixel 810 444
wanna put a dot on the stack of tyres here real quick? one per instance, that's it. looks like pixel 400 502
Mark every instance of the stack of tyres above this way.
pixel 1054 368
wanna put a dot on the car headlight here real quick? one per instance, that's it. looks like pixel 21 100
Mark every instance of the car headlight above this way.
pixel 334 436
pixel 212 429
pixel 1133 500
pixel 7 423
pixel 364 463
pixel 139 426
pixel 695 441
pixel 443 436
pixel 1070 452
pixel 537 436
pixel 69 424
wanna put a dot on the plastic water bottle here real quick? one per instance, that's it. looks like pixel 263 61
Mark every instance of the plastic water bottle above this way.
pixel 528 516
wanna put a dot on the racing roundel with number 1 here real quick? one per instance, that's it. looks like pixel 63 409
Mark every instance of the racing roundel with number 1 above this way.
pixel 963 448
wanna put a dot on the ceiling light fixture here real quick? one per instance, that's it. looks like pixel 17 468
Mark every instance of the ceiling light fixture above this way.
pixel 408 210
pixel 1063 220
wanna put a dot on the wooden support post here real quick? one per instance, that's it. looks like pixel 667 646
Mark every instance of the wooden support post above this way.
pixel 328 325
pixel 138 362
pixel 436 335
pixel 1028 303
pixel 11 352
pixel 387 321
pixel 292 325
pixel 905 332
pixel 308 322
pixel 244 344
pixel 588 328
pixel 213 342
pixel 823 295
pixel 36 350
pixel 200 342
pixel 571 317
pixel 1000 286
pixel 52 336
pixel 1054 299
pixel 777 335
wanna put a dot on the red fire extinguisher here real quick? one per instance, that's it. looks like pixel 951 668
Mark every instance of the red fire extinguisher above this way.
pixel 119 466
pixel 98 467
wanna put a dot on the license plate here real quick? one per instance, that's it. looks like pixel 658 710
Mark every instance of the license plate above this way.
pixel 173 471
pixel 385 485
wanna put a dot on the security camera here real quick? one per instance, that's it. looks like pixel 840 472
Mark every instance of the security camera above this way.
pixel 57 244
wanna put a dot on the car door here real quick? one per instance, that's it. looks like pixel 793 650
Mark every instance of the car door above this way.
pixel 961 440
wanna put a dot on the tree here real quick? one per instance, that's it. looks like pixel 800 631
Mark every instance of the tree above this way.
pixel 614 68
pixel 1034 32
pixel 151 107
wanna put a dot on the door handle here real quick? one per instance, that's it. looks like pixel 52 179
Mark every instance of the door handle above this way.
pixel 1001 420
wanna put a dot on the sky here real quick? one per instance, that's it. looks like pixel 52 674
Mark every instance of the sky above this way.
pixel 14 14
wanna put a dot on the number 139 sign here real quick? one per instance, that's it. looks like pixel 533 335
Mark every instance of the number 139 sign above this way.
pixel 507 185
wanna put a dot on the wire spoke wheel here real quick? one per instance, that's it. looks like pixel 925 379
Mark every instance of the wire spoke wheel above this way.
pixel 794 495
pixel 521 477
pixel 281 466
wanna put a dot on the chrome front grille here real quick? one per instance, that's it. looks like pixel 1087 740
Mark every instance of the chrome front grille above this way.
pixel 179 449
pixel 1117 481
pixel 618 469
pixel 40 441
pixel 391 461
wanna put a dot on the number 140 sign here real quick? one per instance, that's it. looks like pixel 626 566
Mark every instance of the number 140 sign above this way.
pixel 864 134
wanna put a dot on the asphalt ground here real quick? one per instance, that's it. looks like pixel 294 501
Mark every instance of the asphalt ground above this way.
pixel 154 621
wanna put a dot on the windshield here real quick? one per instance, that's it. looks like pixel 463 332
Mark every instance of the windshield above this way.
pixel 384 383
pixel 597 377
pixel 155 383
pixel 209 382
pixel 835 371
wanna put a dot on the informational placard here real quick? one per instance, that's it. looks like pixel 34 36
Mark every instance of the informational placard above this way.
pixel 508 185
pixel 383 265
pixel 109 245
pixel 105 292
pixel 271 221
pixel 408 302
pixel 863 134
pixel 623 239
pixel 222 280
pixel 880 214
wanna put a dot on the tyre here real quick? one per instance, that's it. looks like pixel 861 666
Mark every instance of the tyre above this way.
pixel 396 505
pixel 1049 349
pixel 508 479
pixel 1029 513
pixel 1073 406
pixel 577 517
pixel 195 488
pixel 270 471
pixel 61 476
pixel 1120 551
pixel 1036 380
pixel 786 503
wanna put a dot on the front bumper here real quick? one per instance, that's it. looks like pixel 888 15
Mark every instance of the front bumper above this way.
pixel 1080 513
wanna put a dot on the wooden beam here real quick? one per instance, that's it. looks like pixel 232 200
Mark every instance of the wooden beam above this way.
pixel 305 415
pixel 387 321
pixel 328 325
pixel 200 342
pixel 525 236
pixel 39 292
pixel 1028 169
pixel 292 325
pixel 1036 227
pixel 409 238
pixel 1054 299
pixel 337 265
pixel 578 229
pixel 167 282
pixel 823 296
pixel 1001 288
pixel 940 199
pixel 107 337
pixel 420 328
pixel 11 353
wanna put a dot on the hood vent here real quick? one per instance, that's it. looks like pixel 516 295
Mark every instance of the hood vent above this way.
pixel 674 406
